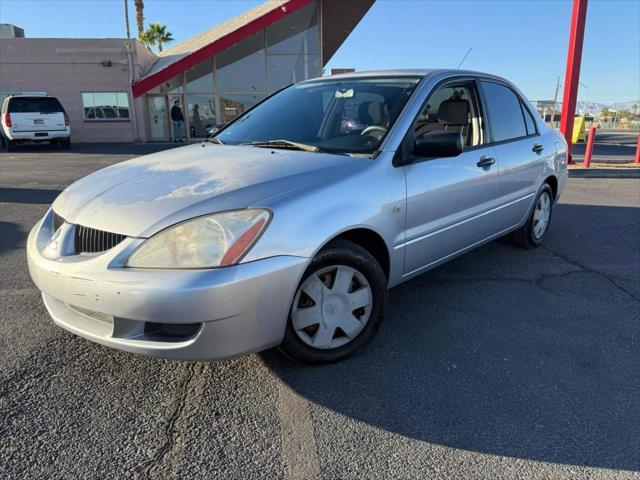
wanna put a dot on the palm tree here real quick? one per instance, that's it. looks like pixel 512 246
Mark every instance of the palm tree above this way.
pixel 156 35
pixel 140 17
pixel 126 17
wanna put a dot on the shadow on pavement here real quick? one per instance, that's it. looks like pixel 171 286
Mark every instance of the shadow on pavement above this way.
pixel 97 148
pixel 526 354
pixel 11 237
pixel 27 195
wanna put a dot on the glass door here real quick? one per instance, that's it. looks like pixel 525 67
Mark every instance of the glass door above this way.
pixel 158 118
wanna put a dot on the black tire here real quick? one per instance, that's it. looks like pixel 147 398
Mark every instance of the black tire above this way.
pixel 9 145
pixel 65 143
pixel 341 252
pixel 525 237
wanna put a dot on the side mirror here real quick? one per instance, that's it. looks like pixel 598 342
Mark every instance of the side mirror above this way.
pixel 438 144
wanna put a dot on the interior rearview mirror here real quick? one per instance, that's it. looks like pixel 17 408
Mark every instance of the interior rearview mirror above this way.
pixel 438 144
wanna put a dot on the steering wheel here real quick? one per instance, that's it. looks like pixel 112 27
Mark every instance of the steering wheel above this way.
pixel 373 128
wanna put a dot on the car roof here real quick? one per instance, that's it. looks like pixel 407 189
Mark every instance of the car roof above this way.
pixel 29 94
pixel 412 72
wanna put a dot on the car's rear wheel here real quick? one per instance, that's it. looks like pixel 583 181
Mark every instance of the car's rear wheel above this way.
pixel 65 143
pixel 338 306
pixel 532 233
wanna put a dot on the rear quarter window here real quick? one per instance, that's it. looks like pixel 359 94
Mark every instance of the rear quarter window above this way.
pixel 34 105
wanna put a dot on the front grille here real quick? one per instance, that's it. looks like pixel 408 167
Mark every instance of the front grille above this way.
pixel 90 240
pixel 56 222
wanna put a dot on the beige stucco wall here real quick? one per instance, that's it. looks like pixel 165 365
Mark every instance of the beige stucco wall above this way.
pixel 67 67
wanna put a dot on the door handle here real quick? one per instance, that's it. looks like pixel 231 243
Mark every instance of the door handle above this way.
pixel 538 148
pixel 486 162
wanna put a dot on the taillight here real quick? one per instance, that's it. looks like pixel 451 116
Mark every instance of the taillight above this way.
pixel 7 120
pixel 66 119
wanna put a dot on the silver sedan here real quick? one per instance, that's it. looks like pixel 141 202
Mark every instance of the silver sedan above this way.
pixel 290 224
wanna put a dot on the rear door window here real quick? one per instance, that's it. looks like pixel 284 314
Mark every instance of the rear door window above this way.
pixel 34 105
pixel 505 113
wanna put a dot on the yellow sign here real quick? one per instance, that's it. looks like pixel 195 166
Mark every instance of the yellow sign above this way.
pixel 579 134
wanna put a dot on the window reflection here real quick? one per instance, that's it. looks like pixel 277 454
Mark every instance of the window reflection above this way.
pixel 297 33
pixel 234 105
pixel 283 70
pixel 201 111
pixel 105 105
pixel 200 78
pixel 241 68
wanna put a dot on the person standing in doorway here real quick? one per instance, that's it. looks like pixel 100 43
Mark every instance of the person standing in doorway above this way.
pixel 177 119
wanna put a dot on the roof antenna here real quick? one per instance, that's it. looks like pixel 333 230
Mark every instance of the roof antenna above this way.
pixel 463 58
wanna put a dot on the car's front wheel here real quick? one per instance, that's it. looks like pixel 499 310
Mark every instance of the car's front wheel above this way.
pixel 531 234
pixel 338 305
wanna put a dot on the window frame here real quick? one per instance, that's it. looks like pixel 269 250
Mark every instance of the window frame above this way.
pixel 105 120
pixel 522 103
pixel 406 147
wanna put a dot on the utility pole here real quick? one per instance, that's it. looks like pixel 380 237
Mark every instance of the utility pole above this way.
pixel 126 17
pixel 555 100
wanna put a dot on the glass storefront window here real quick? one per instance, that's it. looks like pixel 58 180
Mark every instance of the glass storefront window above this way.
pixel 285 69
pixel 234 105
pixel 200 78
pixel 105 105
pixel 241 68
pixel 172 86
pixel 201 111
pixel 297 33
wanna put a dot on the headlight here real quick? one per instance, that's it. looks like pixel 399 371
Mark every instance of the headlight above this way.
pixel 211 241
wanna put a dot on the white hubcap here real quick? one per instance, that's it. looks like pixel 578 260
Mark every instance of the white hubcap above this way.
pixel 541 215
pixel 331 307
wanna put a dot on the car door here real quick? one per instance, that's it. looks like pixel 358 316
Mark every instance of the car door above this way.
pixel 519 150
pixel 450 200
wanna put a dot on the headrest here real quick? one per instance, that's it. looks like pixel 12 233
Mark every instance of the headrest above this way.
pixel 371 113
pixel 454 112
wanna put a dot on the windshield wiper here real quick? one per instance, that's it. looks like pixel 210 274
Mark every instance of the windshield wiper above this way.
pixel 214 140
pixel 288 144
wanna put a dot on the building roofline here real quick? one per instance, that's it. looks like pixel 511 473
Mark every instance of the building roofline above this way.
pixel 191 59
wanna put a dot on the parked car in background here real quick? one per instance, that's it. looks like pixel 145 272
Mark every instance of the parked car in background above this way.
pixel 33 117
pixel 290 224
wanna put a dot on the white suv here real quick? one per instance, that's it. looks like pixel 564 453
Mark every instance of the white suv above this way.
pixel 33 117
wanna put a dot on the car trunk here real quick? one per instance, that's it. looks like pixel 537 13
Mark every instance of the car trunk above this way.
pixel 33 114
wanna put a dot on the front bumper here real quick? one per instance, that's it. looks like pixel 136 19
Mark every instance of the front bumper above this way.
pixel 225 312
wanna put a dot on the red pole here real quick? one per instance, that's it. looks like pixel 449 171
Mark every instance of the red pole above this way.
pixel 587 152
pixel 572 74
pixel 637 160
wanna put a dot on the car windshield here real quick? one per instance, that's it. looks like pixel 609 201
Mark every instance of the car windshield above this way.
pixel 342 116
pixel 34 105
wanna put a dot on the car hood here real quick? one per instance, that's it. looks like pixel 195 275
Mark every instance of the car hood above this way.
pixel 140 197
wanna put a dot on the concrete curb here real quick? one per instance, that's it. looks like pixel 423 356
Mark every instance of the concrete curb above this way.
pixel 604 172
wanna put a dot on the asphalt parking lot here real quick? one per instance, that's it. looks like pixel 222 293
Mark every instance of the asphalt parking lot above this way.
pixel 504 363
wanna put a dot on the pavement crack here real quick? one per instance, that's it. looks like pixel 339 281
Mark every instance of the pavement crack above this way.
pixel 610 278
pixel 500 278
pixel 187 394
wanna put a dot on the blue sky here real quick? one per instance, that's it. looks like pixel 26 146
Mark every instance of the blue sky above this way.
pixel 524 41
